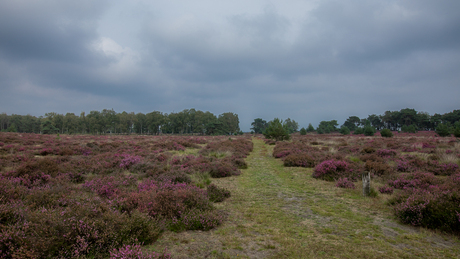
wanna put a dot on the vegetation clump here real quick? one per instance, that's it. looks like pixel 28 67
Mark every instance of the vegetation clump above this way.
pixel 331 170
pixel 217 194
pixel 277 130
pixel 386 133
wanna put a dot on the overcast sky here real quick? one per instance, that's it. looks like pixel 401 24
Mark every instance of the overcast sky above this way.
pixel 307 60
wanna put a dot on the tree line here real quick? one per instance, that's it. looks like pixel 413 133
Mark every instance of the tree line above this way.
pixel 188 121
pixel 405 120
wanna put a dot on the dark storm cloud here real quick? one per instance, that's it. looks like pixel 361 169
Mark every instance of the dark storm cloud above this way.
pixel 48 30
pixel 309 61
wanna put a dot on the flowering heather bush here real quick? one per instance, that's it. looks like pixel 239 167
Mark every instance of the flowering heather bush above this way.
pixel 345 183
pixel 403 166
pixel 386 153
pixel 299 159
pixel 331 170
pixel 237 161
pixel 386 189
pixel 239 147
pixel 378 168
pixel 371 157
pixel 435 207
pixel 219 169
pixel 178 147
pixel 129 161
pixel 414 180
pixel 445 169
pixel 134 252
pixel 409 149
pixel 89 227
pixel 217 194
pixel 283 149
pixel 367 150
pixel 174 177
pixel 427 145
pixel 107 187
pixel 171 200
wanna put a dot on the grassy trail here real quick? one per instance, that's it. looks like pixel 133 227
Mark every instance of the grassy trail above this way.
pixel 279 212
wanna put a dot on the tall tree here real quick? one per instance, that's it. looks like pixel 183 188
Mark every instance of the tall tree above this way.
pixel 327 126
pixel 375 121
pixel 140 124
pixel 154 121
pixel 230 122
pixel 352 122
pixel 292 125
pixel 259 125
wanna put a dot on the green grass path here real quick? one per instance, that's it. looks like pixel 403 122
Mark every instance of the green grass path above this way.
pixel 279 212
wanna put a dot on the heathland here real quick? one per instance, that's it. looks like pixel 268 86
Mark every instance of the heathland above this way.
pixel 243 196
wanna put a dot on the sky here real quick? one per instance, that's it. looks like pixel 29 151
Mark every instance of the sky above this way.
pixel 300 59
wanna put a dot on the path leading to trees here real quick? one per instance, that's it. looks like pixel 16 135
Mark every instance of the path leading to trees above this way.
pixel 279 212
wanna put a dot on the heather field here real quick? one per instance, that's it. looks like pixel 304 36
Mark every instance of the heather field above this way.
pixel 100 196
pixel 82 196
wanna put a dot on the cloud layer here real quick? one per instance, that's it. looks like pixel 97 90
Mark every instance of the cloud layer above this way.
pixel 307 60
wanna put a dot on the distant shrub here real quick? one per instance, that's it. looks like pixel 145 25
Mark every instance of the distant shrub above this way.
pixel 409 129
pixel 443 130
pixel 368 130
pixel 386 133
pixel 344 130
pixel 277 130
pixel 456 131
pixel 217 194
pixel 303 131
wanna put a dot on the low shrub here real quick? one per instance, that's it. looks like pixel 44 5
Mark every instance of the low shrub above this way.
pixel 414 180
pixel 331 170
pixel 174 177
pixel 386 153
pixel 221 169
pixel 371 157
pixel 217 194
pixel 434 207
pixel 378 168
pixel 386 189
pixel 197 220
pixel 345 183
pixel 135 252
pixel 386 133
pixel 300 160
pixel 367 150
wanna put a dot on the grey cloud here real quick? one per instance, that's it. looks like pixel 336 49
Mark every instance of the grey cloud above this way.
pixel 48 30
pixel 342 58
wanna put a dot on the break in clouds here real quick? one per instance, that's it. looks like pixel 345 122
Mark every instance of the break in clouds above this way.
pixel 307 60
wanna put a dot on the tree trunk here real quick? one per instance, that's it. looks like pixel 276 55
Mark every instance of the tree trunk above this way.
pixel 366 183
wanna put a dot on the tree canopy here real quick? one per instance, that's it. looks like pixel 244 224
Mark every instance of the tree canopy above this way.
pixel 189 121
